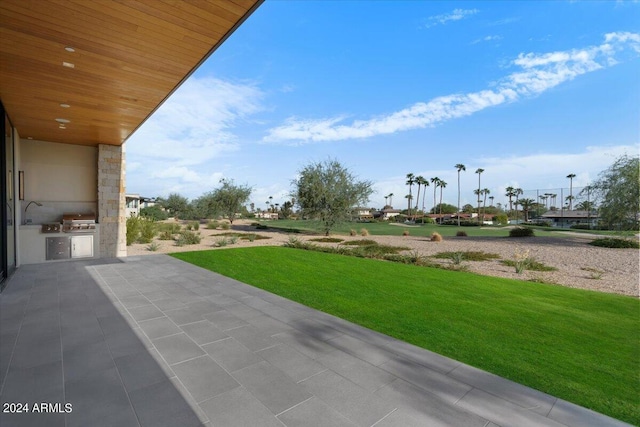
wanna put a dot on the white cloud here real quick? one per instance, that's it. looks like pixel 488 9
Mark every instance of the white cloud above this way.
pixel 456 15
pixel 196 123
pixel 487 39
pixel 538 73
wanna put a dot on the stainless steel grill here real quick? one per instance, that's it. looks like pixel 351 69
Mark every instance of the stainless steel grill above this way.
pixel 79 223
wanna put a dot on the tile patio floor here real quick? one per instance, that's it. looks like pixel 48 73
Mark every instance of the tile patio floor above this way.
pixel 153 341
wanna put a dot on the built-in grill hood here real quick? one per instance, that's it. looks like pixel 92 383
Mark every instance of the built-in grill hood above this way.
pixel 79 223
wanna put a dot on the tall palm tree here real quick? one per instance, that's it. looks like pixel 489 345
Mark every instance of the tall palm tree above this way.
pixel 510 193
pixel 385 200
pixel 435 181
pixel 526 205
pixel 491 198
pixel 419 181
pixel 460 167
pixel 442 185
pixel 479 172
pixel 571 176
pixel 518 192
pixel 390 196
pixel 425 184
pixel 411 179
pixel 409 197
pixel 485 191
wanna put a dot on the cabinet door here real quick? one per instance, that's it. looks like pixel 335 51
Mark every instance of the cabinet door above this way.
pixel 82 247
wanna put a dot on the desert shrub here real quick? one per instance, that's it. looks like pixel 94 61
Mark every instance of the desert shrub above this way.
pixel 261 227
pixel 353 232
pixel 594 273
pixel 225 226
pixel 165 235
pixel 153 247
pixel 327 240
pixel 133 229
pixel 615 243
pixel 436 237
pixel 250 237
pixel 170 227
pixel 521 232
pixel 148 230
pixel 233 240
pixel 377 251
pixel 457 258
pixel 212 225
pixel 222 242
pixel 193 226
pixel 364 232
pixel 405 233
pixel 468 255
pixel 154 212
pixel 362 242
pixel 461 234
pixel 522 261
pixel 187 237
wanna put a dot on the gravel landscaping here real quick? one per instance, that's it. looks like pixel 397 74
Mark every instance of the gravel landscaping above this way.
pixel 578 264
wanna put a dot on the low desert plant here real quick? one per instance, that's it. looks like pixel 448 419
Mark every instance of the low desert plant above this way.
pixel 327 240
pixel 461 233
pixel 468 255
pixel 436 237
pixel 165 235
pixel 353 232
pixel 364 232
pixel 212 225
pixel 187 237
pixel 171 227
pixel 233 240
pixel 251 237
pixel 521 232
pixel 133 229
pixel 154 246
pixel 457 258
pixel 361 242
pixel 594 273
pixel 405 233
pixel 148 230
pixel 222 242
pixel 225 226
pixel 616 243
pixel 522 261
pixel 192 226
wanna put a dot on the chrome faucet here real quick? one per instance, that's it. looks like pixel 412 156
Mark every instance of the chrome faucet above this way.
pixel 26 221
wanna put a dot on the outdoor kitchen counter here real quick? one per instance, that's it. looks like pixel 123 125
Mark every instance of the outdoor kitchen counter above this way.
pixel 32 243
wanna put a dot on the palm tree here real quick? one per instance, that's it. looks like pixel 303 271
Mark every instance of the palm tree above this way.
pixel 526 206
pixel 435 181
pixel 390 196
pixel 479 172
pixel 411 179
pixel 459 167
pixel 571 176
pixel 419 181
pixel 270 204
pixel 485 191
pixel 442 185
pixel 409 197
pixel 518 192
pixel 510 193
pixel 385 200
pixel 491 198
pixel 425 183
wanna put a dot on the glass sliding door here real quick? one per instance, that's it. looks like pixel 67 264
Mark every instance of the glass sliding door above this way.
pixel 8 200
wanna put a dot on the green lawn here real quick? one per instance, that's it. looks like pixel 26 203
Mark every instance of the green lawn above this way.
pixel 577 345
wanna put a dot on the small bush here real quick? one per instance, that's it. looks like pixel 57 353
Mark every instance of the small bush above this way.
pixel 362 242
pixel 250 237
pixel 148 230
pixel 468 255
pixel 327 240
pixel 353 232
pixel 193 226
pixel 153 247
pixel 436 237
pixel 595 274
pixel 405 233
pixel 261 227
pixel 501 219
pixel 461 234
pixel 364 232
pixel 225 226
pixel 222 242
pixel 170 227
pixel 165 235
pixel 133 229
pixel 615 243
pixel 188 238
pixel 457 258
pixel 233 240
pixel 212 225
pixel 521 232
pixel 527 263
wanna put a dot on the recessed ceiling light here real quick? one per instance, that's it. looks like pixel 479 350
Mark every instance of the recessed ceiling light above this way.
pixel 65 105
pixel 69 49
pixel 29 137
pixel 63 121
pixel 61 126
pixel 68 64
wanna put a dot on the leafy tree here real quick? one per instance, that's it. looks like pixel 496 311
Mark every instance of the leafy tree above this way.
pixel 618 190
pixel 501 219
pixel 527 205
pixel 328 191
pixel 230 198
pixel 468 208
pixel 176 205
pixel 444 208
pixel 153 212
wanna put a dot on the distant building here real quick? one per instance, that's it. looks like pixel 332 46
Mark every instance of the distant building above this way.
pixel 362 214
pixel 388 213
pixel 132 203
pixel 266 215
pixel 566 218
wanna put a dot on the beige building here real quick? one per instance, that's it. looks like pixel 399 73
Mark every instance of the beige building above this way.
pixel 77 79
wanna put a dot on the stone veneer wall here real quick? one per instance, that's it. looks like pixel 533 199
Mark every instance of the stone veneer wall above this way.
pixel 111 201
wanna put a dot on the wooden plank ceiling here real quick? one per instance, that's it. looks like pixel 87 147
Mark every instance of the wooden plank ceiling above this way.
pixel 126 56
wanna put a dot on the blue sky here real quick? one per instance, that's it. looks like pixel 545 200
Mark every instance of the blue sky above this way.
pixel 528 91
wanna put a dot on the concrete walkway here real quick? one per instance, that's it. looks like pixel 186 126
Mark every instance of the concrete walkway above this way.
pixel 153 341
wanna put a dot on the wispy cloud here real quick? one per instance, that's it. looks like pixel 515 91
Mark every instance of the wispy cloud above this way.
pixel 487 39
pixel 456 15
pixel 196 124
pixel 537 73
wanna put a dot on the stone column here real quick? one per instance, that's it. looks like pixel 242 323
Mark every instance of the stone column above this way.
pixel 111 201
